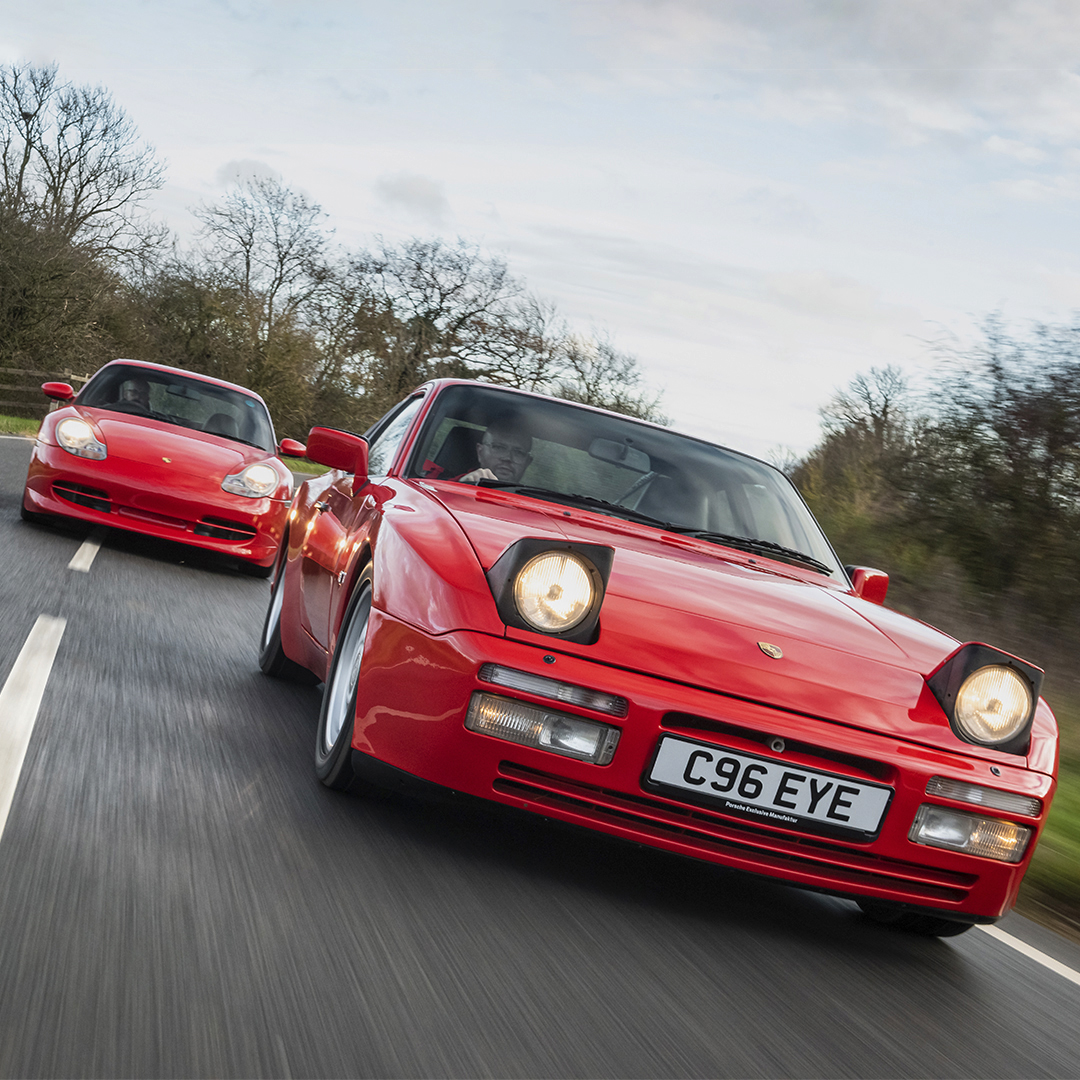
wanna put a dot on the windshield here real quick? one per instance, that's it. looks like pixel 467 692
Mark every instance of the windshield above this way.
pixel 615 465
pixel 176 399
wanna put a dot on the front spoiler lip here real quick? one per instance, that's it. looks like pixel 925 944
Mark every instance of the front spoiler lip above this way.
pixel 378 773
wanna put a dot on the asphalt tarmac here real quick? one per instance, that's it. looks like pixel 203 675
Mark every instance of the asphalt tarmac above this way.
pixel 180 897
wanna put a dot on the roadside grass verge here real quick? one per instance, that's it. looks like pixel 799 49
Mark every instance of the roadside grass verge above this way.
pixel 1052 885
pixel 18 425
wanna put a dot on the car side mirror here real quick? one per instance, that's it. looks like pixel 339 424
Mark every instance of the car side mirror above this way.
pixel 291 448
pixel 869 583
pixel 58 391
pixel 338 450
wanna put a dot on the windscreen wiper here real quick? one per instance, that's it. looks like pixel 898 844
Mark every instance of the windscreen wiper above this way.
pixel 588 501
pixel 763 547
pixel 744 543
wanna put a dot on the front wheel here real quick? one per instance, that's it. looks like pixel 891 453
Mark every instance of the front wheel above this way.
pixel 333 743
pixel 272 658
pixel 913 922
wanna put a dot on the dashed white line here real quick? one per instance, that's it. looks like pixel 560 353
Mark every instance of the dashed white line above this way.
pixel 1031 953
pixel 20 700
pixel 84 557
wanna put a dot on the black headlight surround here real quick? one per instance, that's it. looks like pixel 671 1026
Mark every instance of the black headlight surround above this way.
pixel 597 560
pixel 945 684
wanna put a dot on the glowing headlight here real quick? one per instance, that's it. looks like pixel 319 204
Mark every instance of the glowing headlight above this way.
pixel 553 592
pixel 77 437
pixel 254 482
pixel 992 705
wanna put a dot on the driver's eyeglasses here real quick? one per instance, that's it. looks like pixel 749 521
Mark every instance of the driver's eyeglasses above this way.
pixel 505 450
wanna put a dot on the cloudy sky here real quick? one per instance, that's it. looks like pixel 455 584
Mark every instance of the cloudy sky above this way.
pixel 759 198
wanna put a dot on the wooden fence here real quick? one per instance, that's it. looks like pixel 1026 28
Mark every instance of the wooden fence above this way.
pixel 21 390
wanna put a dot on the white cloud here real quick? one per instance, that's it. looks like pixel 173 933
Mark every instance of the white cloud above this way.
pixel 418 195
pixel 236 172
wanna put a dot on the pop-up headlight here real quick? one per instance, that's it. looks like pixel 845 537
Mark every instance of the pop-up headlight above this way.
pixel 988 696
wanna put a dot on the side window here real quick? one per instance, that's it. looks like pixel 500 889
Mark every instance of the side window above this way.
pixel 386 443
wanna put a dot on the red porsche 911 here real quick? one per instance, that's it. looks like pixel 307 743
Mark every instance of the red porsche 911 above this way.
pixel 168 453
pixel 605 622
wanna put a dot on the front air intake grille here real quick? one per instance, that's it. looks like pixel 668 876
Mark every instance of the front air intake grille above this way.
pixel 697 832
pixel 810 754
pixel 81 495
pixel 220 529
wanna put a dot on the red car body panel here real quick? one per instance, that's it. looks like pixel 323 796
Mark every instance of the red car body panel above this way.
pixel 680 633
pixel 160 480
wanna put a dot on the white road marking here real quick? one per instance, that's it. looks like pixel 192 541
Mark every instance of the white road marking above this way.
pixel 84 557
pixel 20 700
pixel 1032 954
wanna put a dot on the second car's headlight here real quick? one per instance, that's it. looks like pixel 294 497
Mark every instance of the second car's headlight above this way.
pixel 77 437
pixel 255 482
pixel 993 703
pixel 553 591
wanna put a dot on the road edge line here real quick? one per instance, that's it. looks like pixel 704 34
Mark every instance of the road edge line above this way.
pixel 1031 953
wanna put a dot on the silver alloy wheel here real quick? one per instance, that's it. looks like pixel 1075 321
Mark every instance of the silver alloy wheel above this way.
pixel 340 692
pixel 273 616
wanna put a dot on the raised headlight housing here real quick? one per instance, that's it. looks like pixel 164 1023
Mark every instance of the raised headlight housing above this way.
pixel 551 587
pixel 257 481
pixel 988 696
pixel 77 437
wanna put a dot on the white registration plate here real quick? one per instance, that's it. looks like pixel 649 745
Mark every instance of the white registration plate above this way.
pixel 770 791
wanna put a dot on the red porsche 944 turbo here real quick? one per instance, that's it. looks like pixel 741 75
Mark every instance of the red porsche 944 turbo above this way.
pixel 602 621
pixel 168 453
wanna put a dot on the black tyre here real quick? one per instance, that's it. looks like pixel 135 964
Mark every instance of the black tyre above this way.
pixel 254 570
pixel 333 742
pixel 29 515
pixel 912 922
pixel 272 659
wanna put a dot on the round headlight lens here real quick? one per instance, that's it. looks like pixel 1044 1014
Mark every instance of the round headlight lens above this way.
pixel 77 437
pixel 992 704
pixel 554 591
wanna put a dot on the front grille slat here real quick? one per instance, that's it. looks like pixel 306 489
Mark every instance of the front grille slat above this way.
pixel 82 495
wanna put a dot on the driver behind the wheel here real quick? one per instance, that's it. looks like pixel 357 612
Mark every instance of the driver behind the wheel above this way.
pixel 504 452
pixel 136 392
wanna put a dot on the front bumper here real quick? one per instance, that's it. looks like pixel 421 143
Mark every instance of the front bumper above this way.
pixel 415 690
pixel 164 504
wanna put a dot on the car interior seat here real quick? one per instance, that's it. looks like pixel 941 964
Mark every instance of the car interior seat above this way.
pixel 672 498
pixel 221 424
pixel 457 455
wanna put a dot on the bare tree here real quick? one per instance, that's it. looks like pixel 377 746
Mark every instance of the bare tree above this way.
pixel 267 241
pixel 73 164
pixel 596 373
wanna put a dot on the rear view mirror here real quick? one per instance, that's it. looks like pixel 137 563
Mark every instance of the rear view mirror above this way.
pixel 618 453
pixel 868 583
pixel 58 391
pixel 338 450
pixel 291 448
